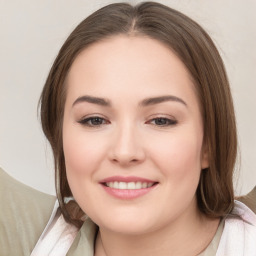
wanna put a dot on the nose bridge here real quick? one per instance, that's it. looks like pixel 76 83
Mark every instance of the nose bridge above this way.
pixel 126 146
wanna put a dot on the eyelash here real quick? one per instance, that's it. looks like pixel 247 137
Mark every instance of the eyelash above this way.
pixel 169 122
pixel 88 121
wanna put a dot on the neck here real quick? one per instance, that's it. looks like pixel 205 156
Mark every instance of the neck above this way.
pixel 185 237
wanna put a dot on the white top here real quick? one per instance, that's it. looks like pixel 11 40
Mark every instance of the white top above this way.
pixel 239 233
pixel 238 237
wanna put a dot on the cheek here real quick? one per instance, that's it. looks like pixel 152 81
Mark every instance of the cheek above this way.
pixel 82 153
pixel 82 159
pixel 179 157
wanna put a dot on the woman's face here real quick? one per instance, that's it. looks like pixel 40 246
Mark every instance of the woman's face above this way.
pixel 132 135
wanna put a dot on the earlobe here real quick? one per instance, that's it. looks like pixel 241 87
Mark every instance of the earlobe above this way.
pixel 205 157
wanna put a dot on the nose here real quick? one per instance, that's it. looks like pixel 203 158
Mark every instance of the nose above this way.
pixel 127 146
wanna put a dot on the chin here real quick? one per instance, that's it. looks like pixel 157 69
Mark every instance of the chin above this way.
pixel 127 222
pixel 129 228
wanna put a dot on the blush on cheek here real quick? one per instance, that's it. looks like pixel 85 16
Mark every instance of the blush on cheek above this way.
pixel 76 162
pixel 72 160
pixel 83 150
pixel 181 158
pixel 81 158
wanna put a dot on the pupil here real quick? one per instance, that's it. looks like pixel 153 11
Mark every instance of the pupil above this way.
pixel 96 121
pixel 160 121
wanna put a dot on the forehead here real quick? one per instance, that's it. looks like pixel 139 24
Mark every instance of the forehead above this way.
pixel 126 64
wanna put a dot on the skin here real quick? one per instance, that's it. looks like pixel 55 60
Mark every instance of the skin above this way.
pixel 131 139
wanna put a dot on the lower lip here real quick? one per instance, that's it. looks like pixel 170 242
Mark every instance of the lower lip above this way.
pixel 127 193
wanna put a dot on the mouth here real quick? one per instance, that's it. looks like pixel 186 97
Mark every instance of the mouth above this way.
pixel 129 185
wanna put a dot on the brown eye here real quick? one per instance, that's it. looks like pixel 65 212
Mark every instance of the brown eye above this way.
pixel 93 121
pixel 162 121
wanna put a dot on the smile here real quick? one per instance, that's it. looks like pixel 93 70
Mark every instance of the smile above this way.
pixel 129 185
pixel 127 188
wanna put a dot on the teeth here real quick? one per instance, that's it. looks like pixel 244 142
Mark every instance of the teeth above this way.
pixel 122 185
pixel 129 185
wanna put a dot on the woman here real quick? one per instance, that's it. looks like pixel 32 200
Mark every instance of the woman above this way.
pixel 138 111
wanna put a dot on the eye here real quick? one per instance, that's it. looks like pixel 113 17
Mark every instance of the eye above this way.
pixel 162 121
pixel 93 121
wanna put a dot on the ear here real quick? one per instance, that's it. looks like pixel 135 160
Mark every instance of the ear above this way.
pixel 204 156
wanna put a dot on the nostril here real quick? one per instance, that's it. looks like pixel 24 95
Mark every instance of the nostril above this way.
pixel 124 160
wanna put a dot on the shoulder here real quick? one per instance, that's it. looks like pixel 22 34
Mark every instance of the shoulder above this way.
pixel 239 234
pixel 249 199
pixel 24 214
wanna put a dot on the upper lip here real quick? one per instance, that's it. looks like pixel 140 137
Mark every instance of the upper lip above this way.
pixel 126 179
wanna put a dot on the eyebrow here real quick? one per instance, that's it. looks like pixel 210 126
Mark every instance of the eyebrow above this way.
pixel 93 100
pixel 157 100
pixel 143 103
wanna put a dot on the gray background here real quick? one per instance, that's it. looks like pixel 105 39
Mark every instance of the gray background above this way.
pixel 31 33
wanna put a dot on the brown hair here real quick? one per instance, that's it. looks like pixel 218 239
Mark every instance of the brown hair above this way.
pixel 198 53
